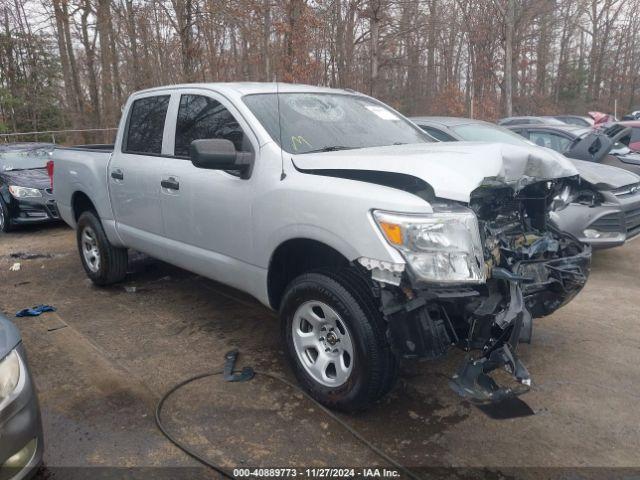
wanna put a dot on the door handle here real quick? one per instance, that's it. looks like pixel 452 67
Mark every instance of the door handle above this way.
pixel 117 174
pixel 171 184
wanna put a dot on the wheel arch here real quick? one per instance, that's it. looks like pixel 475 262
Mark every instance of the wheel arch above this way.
pixel 294 257
pixel 80 203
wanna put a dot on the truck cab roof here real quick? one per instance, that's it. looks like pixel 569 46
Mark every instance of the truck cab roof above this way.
pixel 248 88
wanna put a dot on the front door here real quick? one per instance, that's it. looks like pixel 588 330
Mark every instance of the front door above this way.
pixel 207 213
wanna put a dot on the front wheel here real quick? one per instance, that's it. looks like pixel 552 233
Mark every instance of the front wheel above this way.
pixel 103 263
pixel 335 341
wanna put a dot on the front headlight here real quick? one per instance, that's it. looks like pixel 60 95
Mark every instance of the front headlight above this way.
pixel 9 374
pixel 439 247
pixel 24 192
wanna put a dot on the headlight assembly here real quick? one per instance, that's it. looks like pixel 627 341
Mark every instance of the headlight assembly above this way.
pixel 9 374
pixel 440 247
pixel 24 192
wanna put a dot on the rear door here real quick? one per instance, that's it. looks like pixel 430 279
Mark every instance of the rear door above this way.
pixel 134 174
pixel 207 213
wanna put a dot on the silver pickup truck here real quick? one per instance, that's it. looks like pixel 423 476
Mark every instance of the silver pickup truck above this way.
pixel 373 243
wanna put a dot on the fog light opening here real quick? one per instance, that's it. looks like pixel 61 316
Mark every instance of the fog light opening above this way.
pixel 593 234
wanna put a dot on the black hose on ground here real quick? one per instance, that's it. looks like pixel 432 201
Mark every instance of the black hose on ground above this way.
pixel 329 413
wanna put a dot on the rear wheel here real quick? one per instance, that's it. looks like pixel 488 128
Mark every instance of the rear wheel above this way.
pixel 337 350
pixel 103 263
pixel 5 219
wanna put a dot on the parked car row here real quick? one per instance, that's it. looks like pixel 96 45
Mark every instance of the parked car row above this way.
pixel 604 210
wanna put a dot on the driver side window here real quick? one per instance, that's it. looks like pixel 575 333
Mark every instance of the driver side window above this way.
pixel 201 117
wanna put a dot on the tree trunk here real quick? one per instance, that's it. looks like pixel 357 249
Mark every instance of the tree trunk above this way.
pixel 374 45
pixel 266 35
pixel 89 48
pixel 431 50
pixel 106 80
pixel 508 58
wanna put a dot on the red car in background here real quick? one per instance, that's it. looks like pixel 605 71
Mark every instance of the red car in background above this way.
pixel 634 144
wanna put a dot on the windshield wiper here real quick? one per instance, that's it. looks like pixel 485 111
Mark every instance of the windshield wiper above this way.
pixel 330 148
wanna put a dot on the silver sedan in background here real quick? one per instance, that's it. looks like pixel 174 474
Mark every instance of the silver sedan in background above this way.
pixel 21 440
pixel 604 212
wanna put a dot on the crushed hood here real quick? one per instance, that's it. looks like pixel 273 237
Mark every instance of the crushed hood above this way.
pixel 454 170
pixel 605 177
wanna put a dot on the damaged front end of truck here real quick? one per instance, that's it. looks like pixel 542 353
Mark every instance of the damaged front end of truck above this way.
pixel 476 275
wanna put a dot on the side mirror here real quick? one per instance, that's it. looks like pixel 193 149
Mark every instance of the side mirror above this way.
pixel 219 154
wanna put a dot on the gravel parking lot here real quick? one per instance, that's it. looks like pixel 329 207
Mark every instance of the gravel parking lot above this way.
pixel 103 360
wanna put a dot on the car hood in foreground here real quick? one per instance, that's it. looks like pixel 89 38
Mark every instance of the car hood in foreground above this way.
pixel 454 170
pixel 32 178
pixel 9 336
pixel 605 177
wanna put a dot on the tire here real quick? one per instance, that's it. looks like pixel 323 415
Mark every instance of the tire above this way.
pixel 5 219
pixel 362 290
pixel 332 310
pixel 103 263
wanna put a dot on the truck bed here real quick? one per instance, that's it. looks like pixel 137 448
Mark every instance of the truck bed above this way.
pixel 93 147
pixel 82 168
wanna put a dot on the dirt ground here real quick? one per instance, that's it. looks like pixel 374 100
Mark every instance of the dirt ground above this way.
pixel 104 359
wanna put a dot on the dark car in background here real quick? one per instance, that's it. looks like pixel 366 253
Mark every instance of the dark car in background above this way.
pixel 26 196
pixel 599 146
pixel 604 213
pixel 21 439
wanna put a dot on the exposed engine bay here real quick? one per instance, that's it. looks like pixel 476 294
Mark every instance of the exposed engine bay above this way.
pixel 532 269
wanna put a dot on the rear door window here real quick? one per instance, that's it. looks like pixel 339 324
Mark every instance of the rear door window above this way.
pixel 556 142
pixel 146 125
pixel 201 117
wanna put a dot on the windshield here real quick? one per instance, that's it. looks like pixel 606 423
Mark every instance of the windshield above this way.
pixel 479 132
pixel 315 122
pixel 17 158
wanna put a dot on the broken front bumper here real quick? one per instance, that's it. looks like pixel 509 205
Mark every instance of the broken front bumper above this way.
pixel 553 283
pixel 490 320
